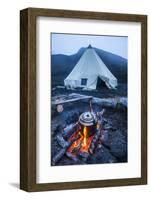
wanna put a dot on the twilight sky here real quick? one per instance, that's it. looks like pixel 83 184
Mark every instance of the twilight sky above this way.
pixel 70 43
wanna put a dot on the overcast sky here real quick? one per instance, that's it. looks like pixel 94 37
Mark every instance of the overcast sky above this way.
pixel 70 43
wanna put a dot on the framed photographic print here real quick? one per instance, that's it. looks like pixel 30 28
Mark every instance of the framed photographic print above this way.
pixel 83 93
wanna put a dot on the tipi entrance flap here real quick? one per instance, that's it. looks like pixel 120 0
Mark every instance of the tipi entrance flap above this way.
pixel 100 82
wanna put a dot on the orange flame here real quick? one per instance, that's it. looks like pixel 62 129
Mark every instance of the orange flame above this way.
pixel 86 147
pixel 75 144
pixel 82 144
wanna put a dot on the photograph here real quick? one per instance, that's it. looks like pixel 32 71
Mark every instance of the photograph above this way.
pixel 89 99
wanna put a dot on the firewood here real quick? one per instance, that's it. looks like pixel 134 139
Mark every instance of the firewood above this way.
pixel 61 141
pixel 110 102
pixel 70 130
pixel 84 156
pixel 61 153
pixel 94 140
pixel 72 157
pixel 106 102
pixel 58 156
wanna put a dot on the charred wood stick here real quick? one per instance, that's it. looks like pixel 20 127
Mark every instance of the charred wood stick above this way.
pixel 66 134
pixel 102 112
pixel 94 140
pixel 84 156
pixel 58 156
pixel 72 157
pixel 100 115
pixel 61 153
pixel 70 130
pixel 61 141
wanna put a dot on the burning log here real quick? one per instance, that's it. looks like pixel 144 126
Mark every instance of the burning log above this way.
pixel 95 139
pixel 70 130
pixel 98 132
pixel 61 153
pixel 66 133
pixel 80 139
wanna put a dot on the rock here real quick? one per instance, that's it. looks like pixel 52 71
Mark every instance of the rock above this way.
pixel 58 129
pixel 105 140
pixel 72 117
pixel 116 143
pixel 109 127
pixel 118 146
pixel 102 155
pixel 104 121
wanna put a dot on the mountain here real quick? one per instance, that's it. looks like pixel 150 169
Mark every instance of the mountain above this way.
pixel 62 65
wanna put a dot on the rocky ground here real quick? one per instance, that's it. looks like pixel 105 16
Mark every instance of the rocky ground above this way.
pixel 101 92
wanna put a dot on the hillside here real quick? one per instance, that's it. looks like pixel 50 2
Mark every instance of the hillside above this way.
pixel 62 65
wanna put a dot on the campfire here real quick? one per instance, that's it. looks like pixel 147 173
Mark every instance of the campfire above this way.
pixel 86 131
pixel 78 141
pixel 82 144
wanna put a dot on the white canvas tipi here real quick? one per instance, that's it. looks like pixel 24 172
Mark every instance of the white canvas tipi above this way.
pixel 86 72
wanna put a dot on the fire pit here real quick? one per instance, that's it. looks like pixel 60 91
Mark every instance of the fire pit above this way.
pixel 81 134
pixel 78 141
pixel 87 129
